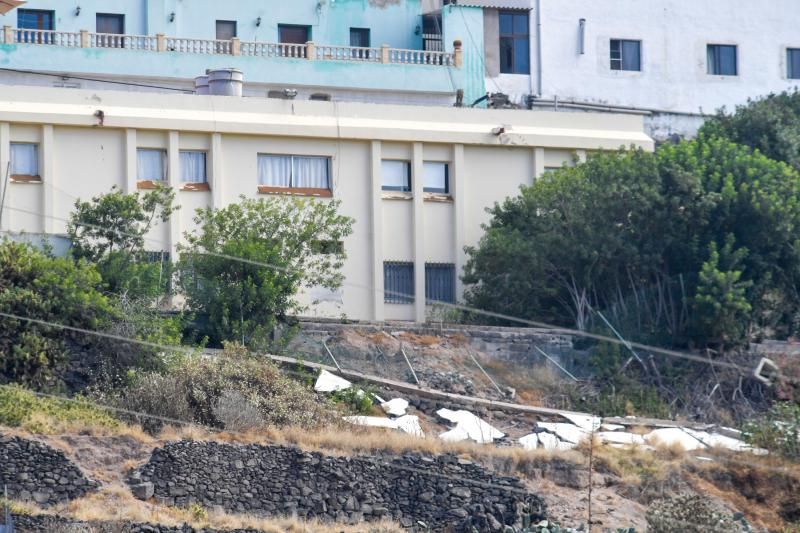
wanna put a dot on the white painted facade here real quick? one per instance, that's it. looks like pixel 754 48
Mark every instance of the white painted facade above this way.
pixel 79 157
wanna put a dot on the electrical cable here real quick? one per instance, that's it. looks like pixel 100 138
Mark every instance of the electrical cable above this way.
pixel 73 77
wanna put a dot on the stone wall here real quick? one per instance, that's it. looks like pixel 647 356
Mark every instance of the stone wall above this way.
pixel 442 492
pixel 35 472
pixel 60 524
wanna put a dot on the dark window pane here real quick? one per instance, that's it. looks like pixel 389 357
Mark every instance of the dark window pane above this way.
pixel 521 52
pixel 440 283
pixel 631 55
pixel 793 61
pixel 34 19
pixel 107 23
pixel 293 34
pixel 398 283
pixel 521 24
pixel 359 37
pixel 506 23
pixel 506 55
pixel 226 30
pixel 722 60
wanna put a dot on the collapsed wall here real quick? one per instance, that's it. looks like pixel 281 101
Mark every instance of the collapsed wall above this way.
pixel 34 472
pixel 441 492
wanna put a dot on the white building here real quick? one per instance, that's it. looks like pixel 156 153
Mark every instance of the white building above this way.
pixel 676 61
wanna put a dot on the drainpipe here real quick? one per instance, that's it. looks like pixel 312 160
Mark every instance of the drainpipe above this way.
pixel 539 68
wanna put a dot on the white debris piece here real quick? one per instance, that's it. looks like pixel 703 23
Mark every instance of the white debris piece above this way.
pixel 395 407
pixel 585 422
pixel 612 427
pixel 619 437
pixel 548 441
pixel 529 442
pixel 327 382
pixel 715 440
pixel 566 432
pixel 674 436
pixel 468 426
pixel 407 424
pixel 564 445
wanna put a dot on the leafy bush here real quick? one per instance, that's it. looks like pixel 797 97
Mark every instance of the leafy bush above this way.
pixel 355 400
pixel 778 431
pixel 689 512
pixel 203 389
pixel 22 408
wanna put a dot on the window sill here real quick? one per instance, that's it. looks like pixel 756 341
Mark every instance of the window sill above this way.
pixel 25 178
pixel 437 197
pixel 195 187
pixel 397 195
pixel 148 184
pixel 320 193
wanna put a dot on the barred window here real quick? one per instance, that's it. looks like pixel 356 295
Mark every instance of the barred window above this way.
pixel 440 282
pixel 398 282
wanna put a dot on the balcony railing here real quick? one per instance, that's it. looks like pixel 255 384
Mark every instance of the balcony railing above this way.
pixel 234 47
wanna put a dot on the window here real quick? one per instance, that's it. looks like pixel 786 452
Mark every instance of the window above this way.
pixel 722 60
pixel 440 282
pixel 193 166
pixel 436 177
pixel 151 164
pixel 359 37
pixel 514 43
pixel 396 175
pixel 34 19
pixel 626 55
pixel 293 34
pixel 281 173
pixel 226 30
pixel 793 63
pixel 398 282
pixel 25 161
pixel 110 23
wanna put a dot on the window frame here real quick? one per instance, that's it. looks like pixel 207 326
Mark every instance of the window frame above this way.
pixel 618 63
pixel 118 16
pixel 282 27
pixel 25 178
pixel 447 187
pixel 717 59
pixel 193 185
pixel 361 31
pixel 399 297
pixel 39 13
pixel 300 191
pixel 232 22
pixel 514 67
pixel 792 74
pixel 390 188
pixel 144 183
pixel 450 268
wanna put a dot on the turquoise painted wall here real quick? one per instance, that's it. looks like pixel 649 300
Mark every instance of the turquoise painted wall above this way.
pixel 466 24
pixel 394 24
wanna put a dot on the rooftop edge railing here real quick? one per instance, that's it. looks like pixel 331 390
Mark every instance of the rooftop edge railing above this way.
pixel 234 47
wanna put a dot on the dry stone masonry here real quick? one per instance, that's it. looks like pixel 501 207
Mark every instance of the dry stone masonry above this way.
pixel 35 472
pixel 441 492
pixel 49 524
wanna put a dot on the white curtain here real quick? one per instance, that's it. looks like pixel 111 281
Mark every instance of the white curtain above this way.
pixel 151 164
pixel 310 172
pixel 275 170
pixel 395 175
pixel 193 167
pixel 24 159
pixel 435 175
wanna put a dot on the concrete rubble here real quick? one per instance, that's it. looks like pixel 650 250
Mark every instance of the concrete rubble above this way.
pixel 327 382
pixel 468 427
pixel 407 424
pixel 395 407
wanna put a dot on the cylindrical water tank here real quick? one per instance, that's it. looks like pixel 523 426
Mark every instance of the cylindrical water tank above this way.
pixel 225 82
pixel 201 85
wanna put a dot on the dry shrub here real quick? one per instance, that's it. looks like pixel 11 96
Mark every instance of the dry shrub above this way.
pixel 689 512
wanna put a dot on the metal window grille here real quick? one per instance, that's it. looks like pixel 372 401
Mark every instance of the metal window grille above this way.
pixel 398 282
pixel 440 282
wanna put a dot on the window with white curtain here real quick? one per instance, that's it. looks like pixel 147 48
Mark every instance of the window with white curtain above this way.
pixel 395 175
pixel 294 171
pixel 24 159
pixel 436 177
pixel 151 164
pixel 193 166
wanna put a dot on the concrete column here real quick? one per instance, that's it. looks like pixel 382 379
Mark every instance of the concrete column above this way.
pixel 174 176
pixel 417 186
pixel 49 184
pixel 131 172
pixel 458 190
pixel 538 163
pixel 215 181
pixel 5 158
pixel 376 220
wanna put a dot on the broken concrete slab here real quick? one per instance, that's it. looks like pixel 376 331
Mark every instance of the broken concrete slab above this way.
pixel 407 424
pixel 410 424
pixel 468 426
pixel 548 441
pixel 619 437
pixel 395 407
pixel 585 422
pixel 529 442
pixel 327 382
pixel 612 427
pixel 674 437
pixel 565 432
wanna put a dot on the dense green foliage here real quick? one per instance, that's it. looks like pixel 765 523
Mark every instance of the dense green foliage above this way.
pixel 48 289
pixel 282 246
pixel 696 243
pixel 778 431
pixel 770 124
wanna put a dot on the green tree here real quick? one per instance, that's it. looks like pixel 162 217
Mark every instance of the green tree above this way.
pixel 283 244
pixel 770 124
pixel 110 231
pixel 48 289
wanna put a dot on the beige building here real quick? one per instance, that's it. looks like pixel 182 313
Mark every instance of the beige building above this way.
pixel 417 180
